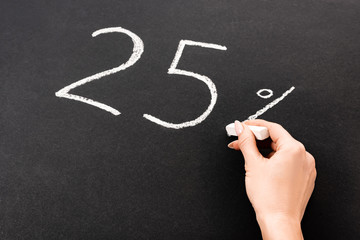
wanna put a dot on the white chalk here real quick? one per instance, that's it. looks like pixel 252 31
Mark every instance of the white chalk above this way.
pixel 260 133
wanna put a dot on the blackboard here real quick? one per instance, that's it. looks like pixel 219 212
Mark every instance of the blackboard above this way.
pixel 70 170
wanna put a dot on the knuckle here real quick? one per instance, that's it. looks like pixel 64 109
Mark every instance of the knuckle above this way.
pixel 298 148
pixel 311 159
pixel 243 142
pixel 315 173
pixel 311 165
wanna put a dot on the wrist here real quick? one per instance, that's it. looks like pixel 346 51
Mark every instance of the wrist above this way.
pixel 280 227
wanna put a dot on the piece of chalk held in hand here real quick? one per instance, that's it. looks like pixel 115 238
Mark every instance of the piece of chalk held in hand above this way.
pixel 260 133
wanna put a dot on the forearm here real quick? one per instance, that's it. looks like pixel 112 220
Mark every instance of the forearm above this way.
pixel 280 228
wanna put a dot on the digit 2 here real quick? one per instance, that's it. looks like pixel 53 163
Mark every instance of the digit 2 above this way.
pixel 135 56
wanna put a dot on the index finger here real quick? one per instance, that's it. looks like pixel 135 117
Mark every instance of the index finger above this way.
pixel 277 133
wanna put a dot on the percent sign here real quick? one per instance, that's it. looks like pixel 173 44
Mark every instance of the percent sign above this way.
pixel 270 105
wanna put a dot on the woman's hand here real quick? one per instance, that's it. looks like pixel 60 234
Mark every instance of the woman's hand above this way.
pixel 278 186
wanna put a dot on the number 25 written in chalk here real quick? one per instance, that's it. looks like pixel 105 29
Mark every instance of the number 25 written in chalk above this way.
pixel 138 49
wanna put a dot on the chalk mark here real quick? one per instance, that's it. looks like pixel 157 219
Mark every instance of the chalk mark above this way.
pixel 138 49
pixel 203 78
pixel 270 105
pixel 270 93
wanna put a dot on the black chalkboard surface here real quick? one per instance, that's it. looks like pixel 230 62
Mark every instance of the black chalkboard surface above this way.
pixel 121 134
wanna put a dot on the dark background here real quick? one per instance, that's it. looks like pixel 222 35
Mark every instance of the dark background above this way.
pixel 69 170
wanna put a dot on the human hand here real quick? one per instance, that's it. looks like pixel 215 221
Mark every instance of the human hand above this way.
pixel 278 186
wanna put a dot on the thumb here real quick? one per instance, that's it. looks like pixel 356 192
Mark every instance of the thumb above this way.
pixel 247 143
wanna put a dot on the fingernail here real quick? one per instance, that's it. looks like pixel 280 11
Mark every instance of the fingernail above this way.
pixel 230 145
pixel 238 127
